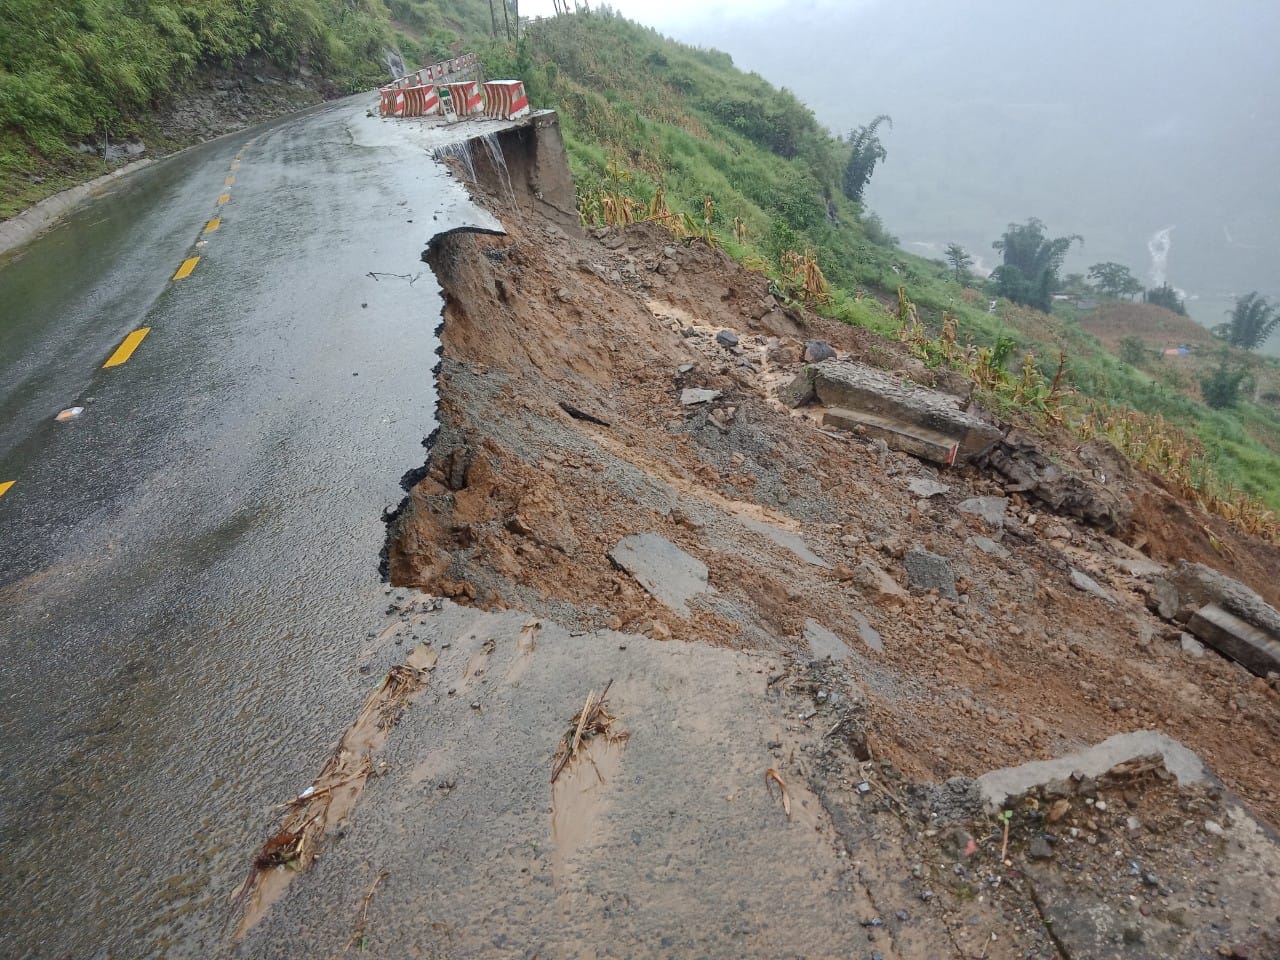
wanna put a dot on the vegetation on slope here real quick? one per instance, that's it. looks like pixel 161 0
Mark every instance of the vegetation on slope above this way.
pixel 658 129
pixel 89 69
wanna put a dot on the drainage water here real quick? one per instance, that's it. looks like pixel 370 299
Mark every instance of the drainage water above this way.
pixel 462 153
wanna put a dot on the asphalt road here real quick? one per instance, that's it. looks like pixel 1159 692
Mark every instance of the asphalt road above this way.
pixel 189 576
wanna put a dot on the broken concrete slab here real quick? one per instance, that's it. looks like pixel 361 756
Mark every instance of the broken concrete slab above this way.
pixel 919 442
pixel 867 633
pixel 1082 581
pixel 874 399
pixel 1198 585
pixel 928 571
pixel 925 488
pixel 991 510
pixel 987 545
pixel 786 539
pixel 666 572
pixel 690 396
pixel 1253 649
pixel 823 643
pixel 999 785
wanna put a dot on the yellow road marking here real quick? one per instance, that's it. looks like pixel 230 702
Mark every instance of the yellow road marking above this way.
pixel 125 350
pixel 229 181
pixel 234 164
pixel 188 265
pixel 224 199
pixel 4 487
pixel 213 225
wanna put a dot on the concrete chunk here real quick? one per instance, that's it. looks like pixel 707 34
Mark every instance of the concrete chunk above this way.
pixel 920 442
pixel 1253 649
pixel 690 396
pixel 670 575
pixel 867 391
pixel 998 785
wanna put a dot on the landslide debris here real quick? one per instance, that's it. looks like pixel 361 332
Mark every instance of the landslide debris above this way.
pixel 970 618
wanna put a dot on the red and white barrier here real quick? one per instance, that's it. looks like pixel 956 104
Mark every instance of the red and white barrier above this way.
pixel 467 98
pixel 417 95
pixel 505 100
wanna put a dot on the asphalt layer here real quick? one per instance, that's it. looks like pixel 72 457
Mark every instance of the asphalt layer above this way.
pixel 189 576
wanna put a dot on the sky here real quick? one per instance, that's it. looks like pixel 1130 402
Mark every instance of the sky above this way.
pixel 1146 126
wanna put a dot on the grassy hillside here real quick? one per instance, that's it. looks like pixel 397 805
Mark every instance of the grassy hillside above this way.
pixel 659 129
pixel 90 69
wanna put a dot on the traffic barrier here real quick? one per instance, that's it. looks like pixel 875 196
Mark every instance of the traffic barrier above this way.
pixel 505 100
pixel 417 94
pixel 467 98
pixel 424 101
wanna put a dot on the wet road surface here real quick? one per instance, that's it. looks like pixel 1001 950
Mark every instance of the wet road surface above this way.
pixel 189 575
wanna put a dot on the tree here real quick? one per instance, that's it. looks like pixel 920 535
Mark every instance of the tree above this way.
pixel 867 151
pixel 1252 321
pixel 1221 388
pixel 960 260
pixel 1133 351
pixel 1167 297
pixel 1115 279
pixel 1029 273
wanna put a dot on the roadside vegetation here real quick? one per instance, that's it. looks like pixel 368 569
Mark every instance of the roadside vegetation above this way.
pixel 92 70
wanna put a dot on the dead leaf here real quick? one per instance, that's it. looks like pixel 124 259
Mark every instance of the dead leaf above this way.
pixel 772 774
pixel 1058 810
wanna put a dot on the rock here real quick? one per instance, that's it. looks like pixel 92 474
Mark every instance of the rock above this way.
pixel 1057 532
pixel 727 338
pixel 987 545
pixel 563 295
pixel 1022 460
pixel 1214 828
pixel 928 571
pixel 877 584
pixel 685 367
pixel 1139 567
pixel 800 390
pixel 1040 849
pixel 1082 581
pixel 925 488
pixel 990 509
pixel 666 572
pixel 1191 646
pixel 1163 598
pixel 816 351
pixel 690 396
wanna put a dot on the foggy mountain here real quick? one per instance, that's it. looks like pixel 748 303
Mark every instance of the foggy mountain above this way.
pixel 1151 129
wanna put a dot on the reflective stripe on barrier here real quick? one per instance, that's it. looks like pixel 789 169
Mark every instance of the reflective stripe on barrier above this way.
pixel 467 101
pixel 505 99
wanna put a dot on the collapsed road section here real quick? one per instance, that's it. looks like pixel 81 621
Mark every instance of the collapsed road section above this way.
pixel 818 648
